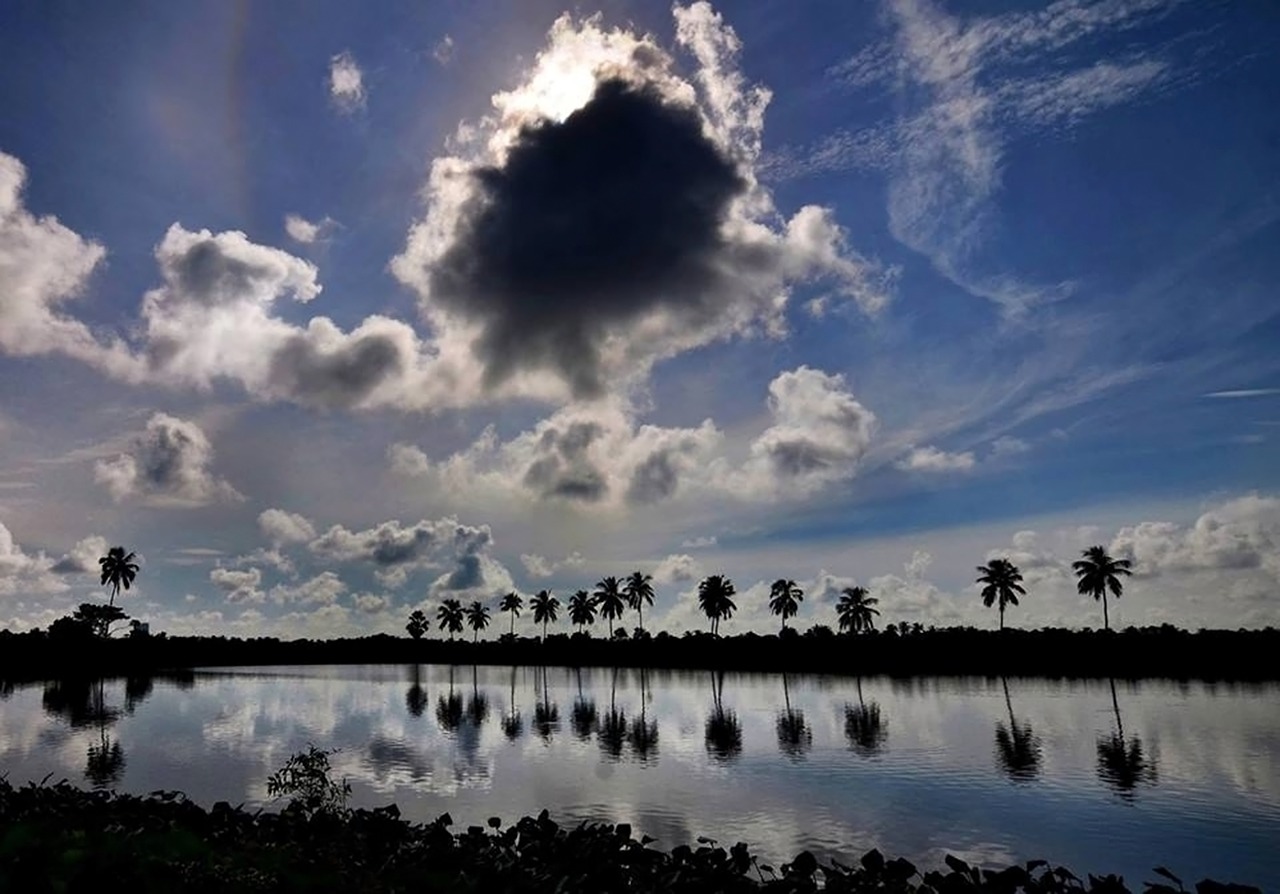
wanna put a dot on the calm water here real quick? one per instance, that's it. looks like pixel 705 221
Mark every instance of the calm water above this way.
pixel 1184 775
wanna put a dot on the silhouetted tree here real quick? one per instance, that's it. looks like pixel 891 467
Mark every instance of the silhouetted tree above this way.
pixel 856 610
pixel 1097 573
pixel 1003 584
pixel 582 609
pixel 418 624
pixel 512 603
pixel 1018 747
pixel 118 570
pixel 639 593
pixel 715 598
pixel 546 716
pixel 449 616
pixel 784 599
pixel 610 601
pixel 545 607
pixel 477 618
pixel 98 617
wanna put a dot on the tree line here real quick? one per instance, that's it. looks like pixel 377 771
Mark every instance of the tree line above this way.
pixel 1097 574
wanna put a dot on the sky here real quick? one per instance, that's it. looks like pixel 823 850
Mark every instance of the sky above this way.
pixel 331 313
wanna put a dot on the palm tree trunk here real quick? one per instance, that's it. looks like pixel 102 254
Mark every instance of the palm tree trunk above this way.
pixel 786 696
pixel 1116 706
pixel 610 620
pixel 640 610
pixel 1002 616
pixel 513 625
pixel 1007 703
pixel 1106 621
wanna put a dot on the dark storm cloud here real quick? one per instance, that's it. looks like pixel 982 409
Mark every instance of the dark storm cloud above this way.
pixel 801 456
pixel 168 461
pixel 591 223
pixel 654 479
pixel 342 376
pixel 564 469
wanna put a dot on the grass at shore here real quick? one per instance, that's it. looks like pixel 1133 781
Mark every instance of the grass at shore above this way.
pixel 60 838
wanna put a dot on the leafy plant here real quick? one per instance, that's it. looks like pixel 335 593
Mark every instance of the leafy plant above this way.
pixel 307 781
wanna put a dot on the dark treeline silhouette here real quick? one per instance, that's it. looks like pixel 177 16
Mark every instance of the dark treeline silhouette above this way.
pixel 897 651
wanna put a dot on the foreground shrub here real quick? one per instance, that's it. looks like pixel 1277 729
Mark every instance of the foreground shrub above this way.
pixel 60 838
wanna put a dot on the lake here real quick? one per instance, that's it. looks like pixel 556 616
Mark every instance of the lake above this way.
pixel 1099 777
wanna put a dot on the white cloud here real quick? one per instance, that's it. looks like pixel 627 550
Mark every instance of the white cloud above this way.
pixel 280 527
pixel 704 542
pixel 931 459
pixel 1244 392
pixel 83 557
pixel 239 586
pixel 442 52
pixel 601 327
pixel 43 264
pixel 346 82
pixel 167 465
pixel 541 567
pixel 371 603
pixel 678 568
pixel 25 573
pixel 1240 534
pixel 302 230
pixel 1005 446
pixel 323 589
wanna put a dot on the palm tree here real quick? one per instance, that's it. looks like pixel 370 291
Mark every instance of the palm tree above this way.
pixel 863 725
pixel 546 715
pixel 449 708
pixel 582 609
pixel 512 603
pixel 715 598
pixel 449 616
pixel 639 592
pixel 784 599
pixel 478 704
pixel 583 716
pixel 723 731
pixel 856 610
pixel 1098 572
pixel 545 607
pixel 1017 747
pixel 608 596
pixel 478 618
pixel 415 699
pixel 118 570
pixel 1003 584
pixel 512 723
pixel 418 624
pixel 613 729
pixel 794 735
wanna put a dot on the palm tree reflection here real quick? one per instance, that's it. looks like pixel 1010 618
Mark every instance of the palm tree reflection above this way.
pixel 863 726
pixel 546 716
pixel 583 716
pixel 449 708
pixel 478 704
pixel 1121 762
pixel 82 703
pixel 415 698
pixel 512 722
pixel 644 732
pixel 794 735
pixel 723 731
pixel 613 729
pixel 1018 747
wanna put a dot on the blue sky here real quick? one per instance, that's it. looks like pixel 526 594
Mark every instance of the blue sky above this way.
pixel 330 313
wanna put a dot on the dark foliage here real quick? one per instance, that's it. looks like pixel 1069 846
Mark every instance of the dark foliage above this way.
pixel 60 838
pixel 1136 652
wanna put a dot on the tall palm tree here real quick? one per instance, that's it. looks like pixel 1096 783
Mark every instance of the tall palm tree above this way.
pixel 1121 762
pixel 449 707
pixel 609 598
pixel 643 734
pixel 583 716
pixel 418 624
pixel 715 598
pixel 118 570
pixel 784 599
pixel 857 610
pixel 449 616
pixel 512 723
pixel 545 606
pixel 478 618
pixel 613 729
pixel 1097 573
pixel 794 735
pixel 415 698
pixel 1003 584
pixel 639 593
pixel 512 603
pixel 723 730
pixel 582 609
pixel 546 714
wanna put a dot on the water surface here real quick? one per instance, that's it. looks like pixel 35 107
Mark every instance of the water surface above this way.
pixel 1097 776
